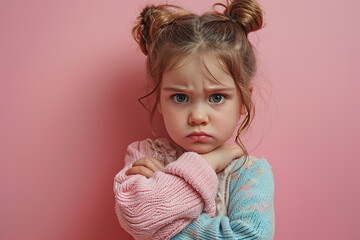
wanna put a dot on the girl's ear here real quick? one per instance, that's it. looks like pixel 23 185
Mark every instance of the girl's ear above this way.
pixel 243 109
pixel 159 107
pixel 251 89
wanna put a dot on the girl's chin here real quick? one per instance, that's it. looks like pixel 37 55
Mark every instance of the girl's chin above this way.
pixel 200 149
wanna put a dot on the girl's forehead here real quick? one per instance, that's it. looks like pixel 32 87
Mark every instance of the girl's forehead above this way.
pixel 207 69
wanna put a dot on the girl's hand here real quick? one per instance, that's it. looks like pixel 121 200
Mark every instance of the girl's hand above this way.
pixel 146 166
pixel 220 157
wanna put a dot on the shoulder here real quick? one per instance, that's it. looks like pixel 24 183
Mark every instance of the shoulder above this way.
pixel 159 148
pixel 252 165
pixel 149 143
pixel 255 170
pixel 139 146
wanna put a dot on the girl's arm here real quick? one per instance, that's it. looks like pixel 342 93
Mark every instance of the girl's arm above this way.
pixel 250 209
pixel 160 206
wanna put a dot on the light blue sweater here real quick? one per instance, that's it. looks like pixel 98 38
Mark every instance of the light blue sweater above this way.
pixel 250 210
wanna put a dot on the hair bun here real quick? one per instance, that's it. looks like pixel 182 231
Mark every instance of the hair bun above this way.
pixel 150 21
pixel 247 13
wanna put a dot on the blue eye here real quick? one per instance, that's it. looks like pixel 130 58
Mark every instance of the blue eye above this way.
pixel 180 98
pixel 216 98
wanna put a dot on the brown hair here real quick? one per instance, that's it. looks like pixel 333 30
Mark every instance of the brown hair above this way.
pixel 167 34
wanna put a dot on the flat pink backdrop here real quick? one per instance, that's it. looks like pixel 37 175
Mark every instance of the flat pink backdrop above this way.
pixel 69 82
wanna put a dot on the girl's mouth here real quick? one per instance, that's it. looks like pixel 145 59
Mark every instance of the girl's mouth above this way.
pixel 198 136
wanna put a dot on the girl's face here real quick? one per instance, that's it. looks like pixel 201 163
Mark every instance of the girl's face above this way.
pixel 200 107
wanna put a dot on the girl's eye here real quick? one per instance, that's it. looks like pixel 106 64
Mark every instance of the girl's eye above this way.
pixel 180 98
pixel 217 98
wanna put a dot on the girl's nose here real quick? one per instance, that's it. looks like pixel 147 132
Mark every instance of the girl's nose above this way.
pixel 198 116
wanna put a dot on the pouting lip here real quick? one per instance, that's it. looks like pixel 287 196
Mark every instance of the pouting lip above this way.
pixel 198 134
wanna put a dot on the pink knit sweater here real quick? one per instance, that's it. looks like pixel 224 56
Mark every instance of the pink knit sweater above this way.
pixel 161 206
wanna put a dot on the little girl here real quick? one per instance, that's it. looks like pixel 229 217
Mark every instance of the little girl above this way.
pixel 198 186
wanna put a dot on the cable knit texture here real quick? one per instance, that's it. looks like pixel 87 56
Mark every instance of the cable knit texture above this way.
pixel 161 206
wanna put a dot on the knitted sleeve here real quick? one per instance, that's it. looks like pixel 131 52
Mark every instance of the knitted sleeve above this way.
pixel 250 209
pixel 161 206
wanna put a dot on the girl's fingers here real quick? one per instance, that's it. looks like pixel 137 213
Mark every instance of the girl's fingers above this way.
pixel 150 163
pixel 160 164
pixel 141 170
pixel 146 166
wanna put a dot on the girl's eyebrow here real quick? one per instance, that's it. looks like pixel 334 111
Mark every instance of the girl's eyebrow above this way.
pixel 220 89
pixel 175 89
pixel 210 89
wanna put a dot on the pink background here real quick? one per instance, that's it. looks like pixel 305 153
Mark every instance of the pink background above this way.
pixel 70 76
